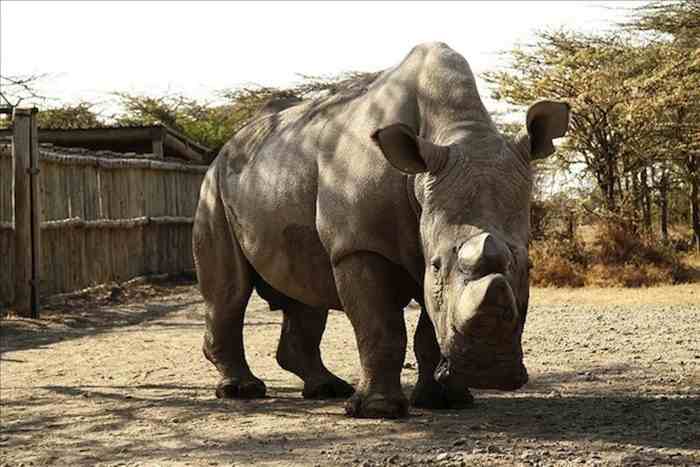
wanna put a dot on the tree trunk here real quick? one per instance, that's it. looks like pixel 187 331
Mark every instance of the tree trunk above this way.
pixel 646 201
pixel 610 191
pixel 694 212
pixel 610 182
pixel 691 166
pixel 663 204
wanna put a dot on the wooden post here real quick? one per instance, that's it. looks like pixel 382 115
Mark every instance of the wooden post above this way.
pixel 25 152
pixel 157 140
pixel 35 215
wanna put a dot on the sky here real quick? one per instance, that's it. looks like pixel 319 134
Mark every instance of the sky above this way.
pixel 195 48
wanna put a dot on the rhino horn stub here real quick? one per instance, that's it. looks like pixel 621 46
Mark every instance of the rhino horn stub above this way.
pixel 484 254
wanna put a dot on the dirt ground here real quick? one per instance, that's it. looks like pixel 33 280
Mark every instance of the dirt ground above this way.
pixel 117 378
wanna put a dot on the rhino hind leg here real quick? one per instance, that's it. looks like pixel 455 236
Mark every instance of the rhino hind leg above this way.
pixel 298 352
pixel 428 393
pixel 225 281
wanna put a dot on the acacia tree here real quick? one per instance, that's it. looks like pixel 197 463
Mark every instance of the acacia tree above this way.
pixel 671 93
pixel 592 74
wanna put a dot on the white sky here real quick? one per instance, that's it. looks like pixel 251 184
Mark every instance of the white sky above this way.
pixel 93 48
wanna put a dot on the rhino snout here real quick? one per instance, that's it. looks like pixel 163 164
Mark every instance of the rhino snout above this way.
pixel 484 350
pixel 487 308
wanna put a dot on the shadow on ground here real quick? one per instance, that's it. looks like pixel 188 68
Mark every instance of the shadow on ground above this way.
pixel 659 422
pixel 90 314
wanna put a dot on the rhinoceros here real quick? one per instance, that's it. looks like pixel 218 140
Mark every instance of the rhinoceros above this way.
pixel 398 188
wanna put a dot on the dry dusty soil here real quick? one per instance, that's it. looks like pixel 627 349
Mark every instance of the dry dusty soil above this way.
pixel 119 379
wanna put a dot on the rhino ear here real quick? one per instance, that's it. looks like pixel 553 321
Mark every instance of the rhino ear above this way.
pixel 546 120
pixel 407 151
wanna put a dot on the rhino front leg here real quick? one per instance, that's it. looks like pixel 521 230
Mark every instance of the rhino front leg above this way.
pixel 225 281
pixel 298 352
pixel 367 285
pixel 428 393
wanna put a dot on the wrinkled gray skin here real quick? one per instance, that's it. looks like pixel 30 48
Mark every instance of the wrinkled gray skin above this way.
pixel 396 189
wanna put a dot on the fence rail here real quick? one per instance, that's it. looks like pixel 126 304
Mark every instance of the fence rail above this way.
pixel 102 219
pixel 74 222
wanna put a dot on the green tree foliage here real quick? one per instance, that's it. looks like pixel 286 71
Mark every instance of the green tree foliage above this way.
pixel 80 115
pixel 65 116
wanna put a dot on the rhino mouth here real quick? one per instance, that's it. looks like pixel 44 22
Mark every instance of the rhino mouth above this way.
pixel 504 374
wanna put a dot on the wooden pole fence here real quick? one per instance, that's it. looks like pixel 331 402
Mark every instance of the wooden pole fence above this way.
pixel 90 217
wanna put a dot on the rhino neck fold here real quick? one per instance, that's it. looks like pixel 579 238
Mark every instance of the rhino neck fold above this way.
pixel 463 130
pixel 448 126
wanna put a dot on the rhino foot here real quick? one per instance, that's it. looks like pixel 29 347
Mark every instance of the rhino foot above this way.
pixel 377 406
pixel 334 388
pixel 236 389
pixel 436 396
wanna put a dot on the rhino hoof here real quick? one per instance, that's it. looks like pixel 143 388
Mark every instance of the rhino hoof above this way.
pixel 234 389
pixel 376 406
pixel 333 389
pixel 436 396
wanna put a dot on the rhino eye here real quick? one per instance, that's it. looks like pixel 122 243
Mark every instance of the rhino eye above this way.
pixel 436 264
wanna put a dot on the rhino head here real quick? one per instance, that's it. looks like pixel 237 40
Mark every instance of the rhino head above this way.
pixel 474 197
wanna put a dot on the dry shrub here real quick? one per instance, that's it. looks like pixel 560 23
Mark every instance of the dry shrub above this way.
pixel 618 257
pixel 557 263
pixel 557 272
pixel 619 244
pixel 687 270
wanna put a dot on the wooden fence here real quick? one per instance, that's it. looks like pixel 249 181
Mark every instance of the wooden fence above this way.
pixel 103 218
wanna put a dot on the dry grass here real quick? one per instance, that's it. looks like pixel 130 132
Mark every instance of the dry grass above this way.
pixel 627 275
pixel 682 294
